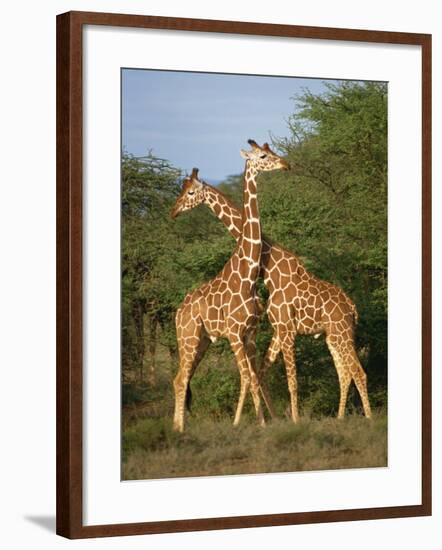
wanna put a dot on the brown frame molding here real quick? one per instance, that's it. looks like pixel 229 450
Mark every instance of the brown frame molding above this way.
pixel 69 273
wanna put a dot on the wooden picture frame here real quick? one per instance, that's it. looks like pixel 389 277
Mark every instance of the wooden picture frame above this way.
pixel 70 81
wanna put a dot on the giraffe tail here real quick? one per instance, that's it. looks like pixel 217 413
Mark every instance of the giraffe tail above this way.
pixel 260 306
pixel 188 399
pixel 354 312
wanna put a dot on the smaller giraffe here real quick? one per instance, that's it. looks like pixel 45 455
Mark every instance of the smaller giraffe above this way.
pixel 228 306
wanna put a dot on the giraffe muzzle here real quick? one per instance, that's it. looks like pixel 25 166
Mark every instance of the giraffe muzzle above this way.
pixel 174 212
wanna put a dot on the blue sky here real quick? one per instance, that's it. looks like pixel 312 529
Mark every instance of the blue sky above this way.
pixel 204 119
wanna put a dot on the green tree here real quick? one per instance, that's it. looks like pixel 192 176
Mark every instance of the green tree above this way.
pixel 149 185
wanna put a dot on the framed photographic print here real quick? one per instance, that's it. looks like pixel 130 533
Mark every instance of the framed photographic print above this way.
pixel 243 274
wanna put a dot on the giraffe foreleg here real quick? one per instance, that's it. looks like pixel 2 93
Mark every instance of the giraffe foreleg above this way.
pixel 251 353
pixel 270 357
pixel 249 378
pixel 244 387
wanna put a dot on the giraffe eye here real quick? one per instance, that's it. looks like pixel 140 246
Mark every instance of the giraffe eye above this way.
pixel 190 192
pixel 263 156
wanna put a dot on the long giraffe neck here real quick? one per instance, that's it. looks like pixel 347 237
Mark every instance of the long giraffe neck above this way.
pixel 249 243
pixel 224 210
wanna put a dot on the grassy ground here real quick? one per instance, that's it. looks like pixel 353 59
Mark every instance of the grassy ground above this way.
pixel 153 450
pixel 211 445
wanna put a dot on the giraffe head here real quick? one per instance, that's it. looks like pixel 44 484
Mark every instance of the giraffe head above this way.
pixel 192 194
pixel 263 158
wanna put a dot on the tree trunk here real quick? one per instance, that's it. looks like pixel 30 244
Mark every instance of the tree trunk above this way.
pixel 138 317
pixel 150 327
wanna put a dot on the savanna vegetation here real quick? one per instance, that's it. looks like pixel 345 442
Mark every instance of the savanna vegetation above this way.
pixel 331 210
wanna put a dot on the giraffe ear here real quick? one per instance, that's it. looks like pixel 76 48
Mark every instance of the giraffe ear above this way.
pixel 194 177
pixel 244 154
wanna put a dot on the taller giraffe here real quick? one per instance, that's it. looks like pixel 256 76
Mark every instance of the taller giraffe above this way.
pixel 299 302
pixel 227 306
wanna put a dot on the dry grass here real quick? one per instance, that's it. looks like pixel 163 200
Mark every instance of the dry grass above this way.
pixel 152 450
pixel 212 446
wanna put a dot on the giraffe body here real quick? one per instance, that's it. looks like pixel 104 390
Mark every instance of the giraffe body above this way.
pixel 227 306
pixel 299 303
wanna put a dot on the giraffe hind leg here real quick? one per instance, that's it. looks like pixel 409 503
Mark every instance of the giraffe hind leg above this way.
pixel 341 363
pixel 360 378
pixel 348 368
pixel 344 384
pixel 202 348
pixel 189 338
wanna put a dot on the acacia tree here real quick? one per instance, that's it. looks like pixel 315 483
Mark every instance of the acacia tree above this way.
pixel 149 184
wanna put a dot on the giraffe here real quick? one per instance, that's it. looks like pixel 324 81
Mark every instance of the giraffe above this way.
pixel 227 306
pixel 299 303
